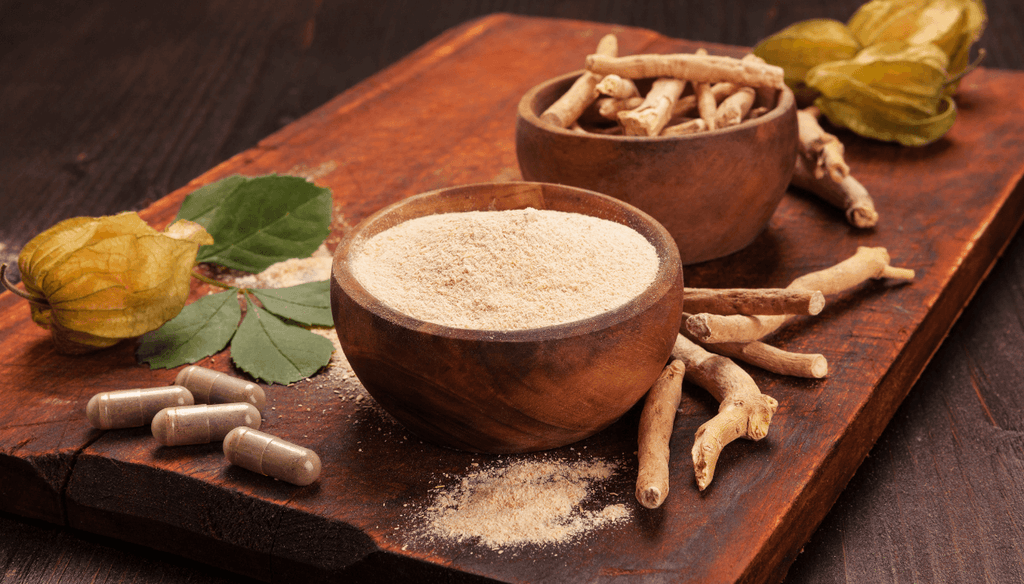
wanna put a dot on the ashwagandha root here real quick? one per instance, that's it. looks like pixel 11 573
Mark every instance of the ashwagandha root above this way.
pixel 617 87
pixel 687 104
pixel 766 96
pixel 848 194
pixel 568 108
pixel 757 112
pixel 687 127
pixel 609 107
pixel 769 358
pixel 734 108
pixel 695 68
pixel 867 263
pixel 821 169
pixel 822 150
pixel 656 421
pixel 754 301
pixel 655 111
pixel 743 410
pixel 707 104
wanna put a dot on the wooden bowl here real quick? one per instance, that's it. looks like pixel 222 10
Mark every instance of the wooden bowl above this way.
pixel 508 391
pixel 714 191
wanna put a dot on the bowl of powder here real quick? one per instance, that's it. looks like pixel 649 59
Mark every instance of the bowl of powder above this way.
pixel 507 317
pixel 714 190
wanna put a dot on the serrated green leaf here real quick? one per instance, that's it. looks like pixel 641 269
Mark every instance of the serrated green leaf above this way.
pixel 275 352
pixel 200 330
pixel 308 304
pixel 201 204
pixel 268 219
pixel 804 45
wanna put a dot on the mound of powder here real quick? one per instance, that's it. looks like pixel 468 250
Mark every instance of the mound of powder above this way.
pixel 505 270
pixel 524 502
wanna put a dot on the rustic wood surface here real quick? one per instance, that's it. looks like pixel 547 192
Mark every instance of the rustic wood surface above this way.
pixel 939 500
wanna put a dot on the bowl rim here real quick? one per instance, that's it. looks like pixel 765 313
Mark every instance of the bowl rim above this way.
pixel 669 269
pixel 786 101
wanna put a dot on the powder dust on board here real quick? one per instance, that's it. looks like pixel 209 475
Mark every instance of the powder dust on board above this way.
pixel 535 500
pixel 538 501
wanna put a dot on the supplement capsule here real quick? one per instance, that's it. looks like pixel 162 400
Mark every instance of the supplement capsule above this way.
pixel 213 387
pixel 269 455
pixel 201 424
pixel 130 408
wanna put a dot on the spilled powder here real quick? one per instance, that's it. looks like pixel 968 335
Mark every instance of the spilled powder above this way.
pixel 290 272
pixel 505 270
pixel 529 501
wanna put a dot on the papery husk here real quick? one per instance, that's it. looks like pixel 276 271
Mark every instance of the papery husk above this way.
pixel 951 25
pixel 892 91
pixel 101 280
pixel 804 45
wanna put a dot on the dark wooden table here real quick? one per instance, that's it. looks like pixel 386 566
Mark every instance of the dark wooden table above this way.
pixel 111 105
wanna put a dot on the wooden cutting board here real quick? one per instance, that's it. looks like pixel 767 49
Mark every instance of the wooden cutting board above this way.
pixel 444 116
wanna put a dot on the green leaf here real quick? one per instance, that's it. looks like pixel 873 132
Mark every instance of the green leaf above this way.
pixel 201 204
pixel 804 45
pixel 275 352
pixel 309 304
pixel 200 330
pixel 265 220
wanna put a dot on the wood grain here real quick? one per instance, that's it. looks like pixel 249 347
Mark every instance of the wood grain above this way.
pixel 849 315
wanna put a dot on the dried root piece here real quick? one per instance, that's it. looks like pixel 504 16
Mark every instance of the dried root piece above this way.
pixel 848 194
pixel 687 104
pixel 695 68
pixel 687 127
pixel 769 358
pixel 653 114
pixel 821 169
pixel 743 410
pixel 656 422
pixel 567 109
pixel 823 151
pixel 609 107
pixel 734 108
pixel 707 104
pixel 617 87
pixel 754 301
pixel 757 112
pixel 766 96
pixel 867 263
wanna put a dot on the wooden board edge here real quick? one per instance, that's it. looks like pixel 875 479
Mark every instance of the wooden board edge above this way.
pixel 774 559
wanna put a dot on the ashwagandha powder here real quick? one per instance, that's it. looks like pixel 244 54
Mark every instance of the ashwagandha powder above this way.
pixel 530 501
pixel 505 270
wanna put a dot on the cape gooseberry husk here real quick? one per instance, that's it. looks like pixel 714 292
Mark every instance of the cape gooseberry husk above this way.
pixel 96 281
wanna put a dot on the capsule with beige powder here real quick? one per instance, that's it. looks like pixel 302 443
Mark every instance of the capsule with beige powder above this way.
pixel 272 456
pixel 202 423
pixel 213 387
pixel 131 408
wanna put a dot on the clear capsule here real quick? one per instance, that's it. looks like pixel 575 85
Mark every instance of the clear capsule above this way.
pixel 269 455
pixel 131 408
pixel 202 424
pixel 213 387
